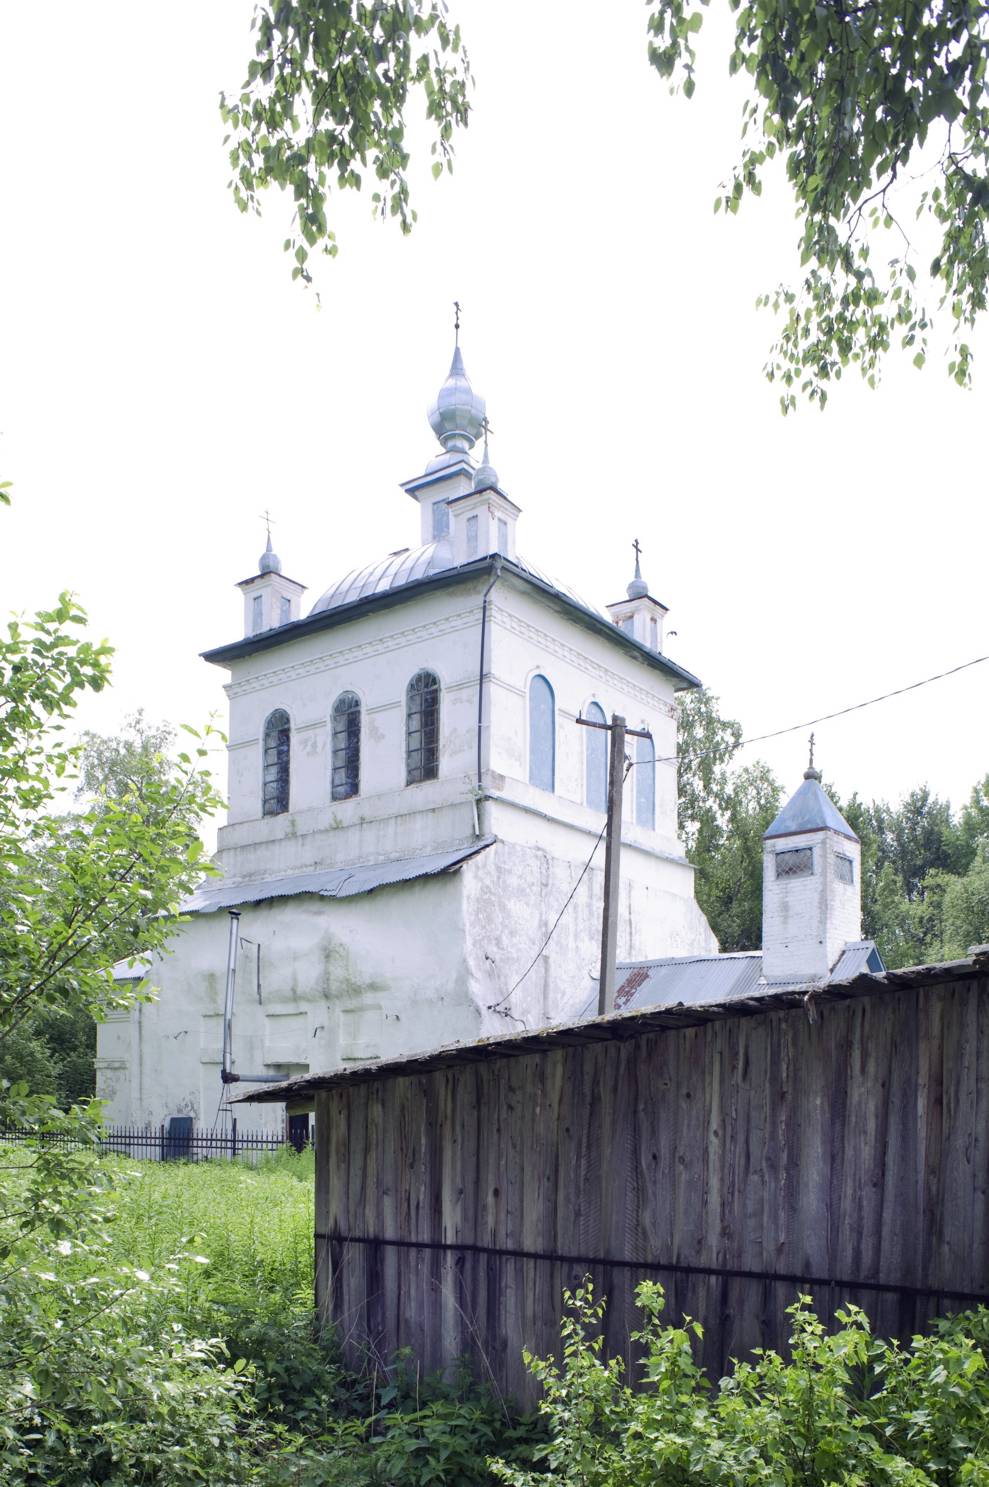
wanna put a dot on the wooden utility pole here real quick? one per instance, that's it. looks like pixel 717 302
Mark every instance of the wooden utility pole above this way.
pixel 612 855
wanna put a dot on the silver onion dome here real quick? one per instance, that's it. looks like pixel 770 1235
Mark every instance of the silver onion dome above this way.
pixel 269 562
pixel 485 476
pixel 457 415
pixel 638 588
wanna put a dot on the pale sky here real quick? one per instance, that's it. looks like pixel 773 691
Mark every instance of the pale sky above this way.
pixel 163 381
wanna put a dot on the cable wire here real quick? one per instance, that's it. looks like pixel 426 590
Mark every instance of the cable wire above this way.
pixel 494 1006
pixel 700 754
pixel 824 718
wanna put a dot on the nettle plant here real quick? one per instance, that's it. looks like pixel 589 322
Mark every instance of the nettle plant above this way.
pixel 848 1407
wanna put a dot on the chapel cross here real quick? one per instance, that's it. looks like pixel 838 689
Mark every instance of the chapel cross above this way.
pixel 456 320
pixel 811 751
pixel 267 518
pixel 638 551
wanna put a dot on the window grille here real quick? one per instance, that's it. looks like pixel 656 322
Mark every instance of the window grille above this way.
pixel 422 728
pixel 257 614
pixel 472 536
pixel 285 610
pixel 596 761
pixel 277 753
pixel 645 783
pixel 346 747
pixel 542 734
pixel 798 863
pixel 441 520
pixel 844 868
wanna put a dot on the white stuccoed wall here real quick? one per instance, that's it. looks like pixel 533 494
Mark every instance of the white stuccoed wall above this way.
pixel 806 922
pixel 415 965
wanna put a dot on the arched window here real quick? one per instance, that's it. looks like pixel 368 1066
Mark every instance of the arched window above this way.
pixel 542 734
pixel 345 747
pixel 645 783
pixel 596 761
pixel 277 752
pixel 422 728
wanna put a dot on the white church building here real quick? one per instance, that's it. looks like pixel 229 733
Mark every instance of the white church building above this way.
pixel 410 803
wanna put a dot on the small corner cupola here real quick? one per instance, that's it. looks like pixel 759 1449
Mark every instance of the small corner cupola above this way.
pixel 270 599
pixel 456 416
pixel 483 519
pixel 640 615
pixel 811 888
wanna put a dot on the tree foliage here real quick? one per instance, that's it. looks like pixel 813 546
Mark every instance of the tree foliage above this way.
pixel 878 110
pixel 325 99
pixel 858 100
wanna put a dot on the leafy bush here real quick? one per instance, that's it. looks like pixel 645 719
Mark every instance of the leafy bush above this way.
pixel 848 1408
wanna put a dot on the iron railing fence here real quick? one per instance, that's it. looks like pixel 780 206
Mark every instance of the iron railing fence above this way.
pixel 178 1139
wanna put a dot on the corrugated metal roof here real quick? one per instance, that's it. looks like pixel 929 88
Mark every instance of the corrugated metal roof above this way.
pixel 682 980
pixel 633 1024
pixel 809 809
pixel 336 882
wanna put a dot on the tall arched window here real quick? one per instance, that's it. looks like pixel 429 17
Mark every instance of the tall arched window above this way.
pixel 422 728
pixel 645 783
pixel 596 761
pixel 542 734
pixel 345 747
pixel 277 754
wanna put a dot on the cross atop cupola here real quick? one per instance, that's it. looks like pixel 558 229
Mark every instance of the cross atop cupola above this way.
pixel 448 487
pixel 640 615
pixel 270 599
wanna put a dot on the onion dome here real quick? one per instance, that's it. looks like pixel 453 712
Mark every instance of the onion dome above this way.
pixel 638 588
pixel 457 415
pixel 485 476
pixel 269 562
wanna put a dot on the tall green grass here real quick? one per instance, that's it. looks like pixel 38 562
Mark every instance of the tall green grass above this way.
pixel 252 1228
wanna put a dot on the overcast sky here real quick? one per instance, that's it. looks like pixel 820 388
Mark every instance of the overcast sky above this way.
pixel 162 381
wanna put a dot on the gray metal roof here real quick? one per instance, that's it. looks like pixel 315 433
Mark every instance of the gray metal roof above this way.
pixel 336 882
pixel 682 980
pixel 385 592
pixel 630 1024
pixel 414 563
pixel 809 809
pixel 701 980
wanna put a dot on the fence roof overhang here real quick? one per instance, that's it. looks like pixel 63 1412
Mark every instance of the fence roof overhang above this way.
pixel 626 1025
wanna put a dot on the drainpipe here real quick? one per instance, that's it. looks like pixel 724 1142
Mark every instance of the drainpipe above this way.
pixel 496 574
pixel 227 1076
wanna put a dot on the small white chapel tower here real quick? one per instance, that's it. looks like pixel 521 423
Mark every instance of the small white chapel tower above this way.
pixel 811 888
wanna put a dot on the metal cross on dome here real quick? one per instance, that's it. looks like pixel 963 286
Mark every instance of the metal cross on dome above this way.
pixel 456 321
pixel 267 518
pixel 811 765
pixel 637 549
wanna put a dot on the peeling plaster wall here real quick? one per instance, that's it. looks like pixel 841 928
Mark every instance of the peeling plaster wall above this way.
pixel 418 964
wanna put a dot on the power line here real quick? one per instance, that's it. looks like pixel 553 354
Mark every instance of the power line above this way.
pixel 494 1006
pixel 700 754
pixel 824 718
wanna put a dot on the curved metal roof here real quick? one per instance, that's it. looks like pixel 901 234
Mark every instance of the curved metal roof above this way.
pixel 411 564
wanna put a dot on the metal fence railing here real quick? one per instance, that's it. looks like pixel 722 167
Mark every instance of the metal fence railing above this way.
pixel 178 1139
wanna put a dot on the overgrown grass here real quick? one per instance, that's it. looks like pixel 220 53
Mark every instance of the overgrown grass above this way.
pixel 254 1227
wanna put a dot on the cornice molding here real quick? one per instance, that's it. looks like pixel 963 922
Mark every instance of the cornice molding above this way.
pixel 516 625
pixel 348 655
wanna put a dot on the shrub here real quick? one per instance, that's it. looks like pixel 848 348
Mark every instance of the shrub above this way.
pixel 848 1408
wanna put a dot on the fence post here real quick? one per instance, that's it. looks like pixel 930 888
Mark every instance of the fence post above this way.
pixel 233 1129
pixel 161 1149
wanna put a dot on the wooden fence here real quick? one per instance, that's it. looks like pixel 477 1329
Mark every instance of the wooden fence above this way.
pixel 841 1150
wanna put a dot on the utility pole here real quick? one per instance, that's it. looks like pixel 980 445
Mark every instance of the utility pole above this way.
pixel 612 855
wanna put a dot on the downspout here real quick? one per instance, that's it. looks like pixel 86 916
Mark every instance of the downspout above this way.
pixel 496 574
pixel 227 1076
